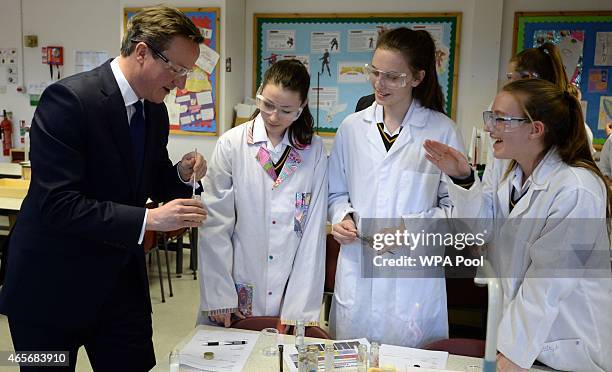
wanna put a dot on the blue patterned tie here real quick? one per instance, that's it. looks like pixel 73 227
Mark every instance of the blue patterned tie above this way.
pixel 137 131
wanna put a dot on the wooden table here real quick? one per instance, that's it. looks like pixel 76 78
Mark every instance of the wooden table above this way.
pixel 10 170
pixel 12 193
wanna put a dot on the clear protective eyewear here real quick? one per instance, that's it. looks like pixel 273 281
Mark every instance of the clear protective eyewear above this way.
pixel 390 79
pixel 179 71
pixel 493 122
pixel 268 107
pixel 518 75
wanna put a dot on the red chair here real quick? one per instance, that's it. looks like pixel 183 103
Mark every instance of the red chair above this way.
pixel 166 238
pixel 459 346
pixel 257 323
pixel 332 250
pixel 151 242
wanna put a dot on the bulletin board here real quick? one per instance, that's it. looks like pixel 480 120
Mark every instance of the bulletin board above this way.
pixel 335 47
pixel 194 110
pixel 585 43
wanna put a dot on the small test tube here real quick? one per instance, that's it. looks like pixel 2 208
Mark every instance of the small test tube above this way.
pixel 193 194
pixel 374 355
pixel 302 359
pixel 313 358
pixel 299 333
pixel 329 357
pixel 362 358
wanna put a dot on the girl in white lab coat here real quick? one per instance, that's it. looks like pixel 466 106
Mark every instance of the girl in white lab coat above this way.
pixel 542 62
pixel 378 170
pixel 262 250
pixel 556 201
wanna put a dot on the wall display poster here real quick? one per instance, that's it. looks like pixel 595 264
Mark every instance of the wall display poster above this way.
pixel 585 43
pixel 194 110
pixel 335 48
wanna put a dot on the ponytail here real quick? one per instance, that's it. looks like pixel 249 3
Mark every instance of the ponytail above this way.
pixel 543 62
pixel 558 75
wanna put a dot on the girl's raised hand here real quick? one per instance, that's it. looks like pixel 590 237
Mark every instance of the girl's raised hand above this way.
pixel 447 159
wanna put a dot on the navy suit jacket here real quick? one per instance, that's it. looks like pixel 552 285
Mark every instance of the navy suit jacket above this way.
pixel 79 224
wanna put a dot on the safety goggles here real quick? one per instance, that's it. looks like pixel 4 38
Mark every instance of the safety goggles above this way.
pixel 268 107
pixel 493 122
pixel 178 71
pixel 389 79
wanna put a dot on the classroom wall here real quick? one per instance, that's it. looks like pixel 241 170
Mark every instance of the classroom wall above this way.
pixel 47 19
pixel 97 25
pixel 485 45
pixel 479 44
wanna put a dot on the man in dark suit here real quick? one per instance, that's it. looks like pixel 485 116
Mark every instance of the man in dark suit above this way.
pixel 365 102
pixel 76 273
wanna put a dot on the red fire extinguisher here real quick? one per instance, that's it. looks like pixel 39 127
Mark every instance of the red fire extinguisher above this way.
pixel 6 129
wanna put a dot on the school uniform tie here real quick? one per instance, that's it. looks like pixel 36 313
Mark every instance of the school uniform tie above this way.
pixel 388 140
pixel 137 132
pixel 515 197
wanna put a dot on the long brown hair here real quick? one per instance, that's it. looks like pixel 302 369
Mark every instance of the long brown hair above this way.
pixel 544 62
pixel 564 125
pixel 291 74
pixel 419 51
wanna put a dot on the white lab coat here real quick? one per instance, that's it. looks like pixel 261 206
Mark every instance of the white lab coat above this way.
pixel 368 181
pixel 565 321
pixel 249 236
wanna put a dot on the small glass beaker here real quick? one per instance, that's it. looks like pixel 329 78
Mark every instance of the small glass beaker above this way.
pixel 269 340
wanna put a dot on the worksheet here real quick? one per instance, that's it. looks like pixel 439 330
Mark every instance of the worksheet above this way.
pixel 230 350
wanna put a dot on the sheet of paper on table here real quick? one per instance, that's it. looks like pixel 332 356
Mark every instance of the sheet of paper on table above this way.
pixel 345 355
pixel 226 357
pixel 407 357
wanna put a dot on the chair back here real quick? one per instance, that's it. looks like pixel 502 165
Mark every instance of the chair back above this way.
pixel 257 323
pixel 149 241
pixel 459 346
pixel 331 261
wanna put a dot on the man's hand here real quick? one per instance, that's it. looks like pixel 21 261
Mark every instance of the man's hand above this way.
pixel 176 214
pixel 192 164
pixel 226 319
pixel 345 231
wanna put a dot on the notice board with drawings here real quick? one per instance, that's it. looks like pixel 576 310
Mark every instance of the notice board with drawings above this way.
pixel 585 43
pixel 194 110
pixel 335 47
